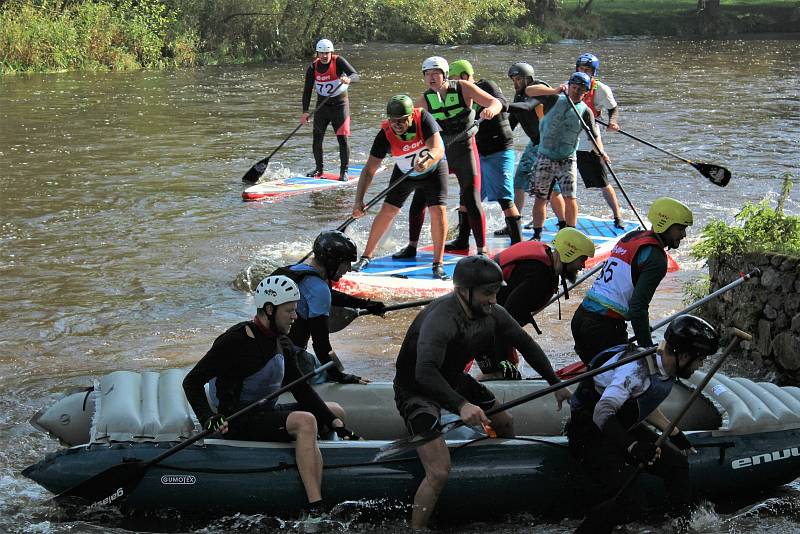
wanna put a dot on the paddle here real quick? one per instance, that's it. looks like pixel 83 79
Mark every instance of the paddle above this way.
pixel 341 316
pixel 591 136
pixel 257 171
pixel 117 482
pixel 342 227
pixel 577 367
pixel 715 173
pixel 605 509
pixel 410 443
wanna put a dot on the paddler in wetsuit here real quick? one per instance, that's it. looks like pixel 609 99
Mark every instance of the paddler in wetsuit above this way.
pixel 412 137
pixel 329 76
pixel 253 359
pixel 531 270
pixel 606 433
pixel 626 285
pixel 430 368
pixel 450 103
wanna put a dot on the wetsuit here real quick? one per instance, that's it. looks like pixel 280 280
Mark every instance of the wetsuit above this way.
pixel 530 279
pixel 454 117
pixel 322 78
pixel 622 292
pixel 437 346
pixel 245 364
pixel 606 412
pixel 313 311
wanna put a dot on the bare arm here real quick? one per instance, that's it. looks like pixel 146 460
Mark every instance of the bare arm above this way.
pixel 472 92
pixel 544 90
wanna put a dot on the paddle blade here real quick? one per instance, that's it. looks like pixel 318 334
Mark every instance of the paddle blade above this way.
pixel 401 446
pixel 340 317
pixel 718 175
pixel 105 488
pixel 256 171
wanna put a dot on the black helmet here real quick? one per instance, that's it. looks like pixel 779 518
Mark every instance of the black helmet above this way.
pixel 691 335
pixel 477 271
pixel 521 69
pixel 331 248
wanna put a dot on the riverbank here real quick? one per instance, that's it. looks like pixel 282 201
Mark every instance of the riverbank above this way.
pixel 49 36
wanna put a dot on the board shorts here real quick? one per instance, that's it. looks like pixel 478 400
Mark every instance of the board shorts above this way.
pixel 591 169
pixel 263 424
pixel 524 174
pixel 497 176
pixel 433 185
pixel 337 115
pixel 422 414
pixel 548 172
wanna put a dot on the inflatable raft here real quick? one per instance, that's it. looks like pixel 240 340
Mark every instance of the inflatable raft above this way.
pixel 747 435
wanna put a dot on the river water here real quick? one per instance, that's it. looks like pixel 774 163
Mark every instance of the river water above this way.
pixel 123 238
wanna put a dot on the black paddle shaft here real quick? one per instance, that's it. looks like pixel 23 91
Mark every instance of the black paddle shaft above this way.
pixel 118 481
pixel 717 174
pixel 591 136
pixel 257 170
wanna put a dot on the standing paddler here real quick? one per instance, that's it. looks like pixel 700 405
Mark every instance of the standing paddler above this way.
pixel 329 76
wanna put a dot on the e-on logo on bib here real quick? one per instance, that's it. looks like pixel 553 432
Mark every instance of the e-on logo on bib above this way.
pixel 178 479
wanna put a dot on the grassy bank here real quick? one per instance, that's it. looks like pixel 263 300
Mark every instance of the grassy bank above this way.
pixel 50 35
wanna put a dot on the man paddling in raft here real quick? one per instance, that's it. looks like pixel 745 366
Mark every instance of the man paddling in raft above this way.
pixel 626 284
pixel 333 255
pixel 590 164
pixel 430 368
pixel 555 163
pixel 253 359
pixel 329 75
pixel 606 433
pixel 531 270
pixel 411 135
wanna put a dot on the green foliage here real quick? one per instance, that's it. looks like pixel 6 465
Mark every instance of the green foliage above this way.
pixel 697 289
pixel 760 228
pixel 129 34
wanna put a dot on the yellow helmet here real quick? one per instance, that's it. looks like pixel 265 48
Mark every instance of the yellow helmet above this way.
pixel 665 212
pixel 571 244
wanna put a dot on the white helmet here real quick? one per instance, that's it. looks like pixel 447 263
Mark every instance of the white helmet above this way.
pixel 276 290
pixel 436 62
pixel 324 45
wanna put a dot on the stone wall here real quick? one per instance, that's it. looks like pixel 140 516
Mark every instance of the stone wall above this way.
pixel 768 307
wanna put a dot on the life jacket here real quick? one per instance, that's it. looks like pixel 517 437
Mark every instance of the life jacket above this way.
pixel 452 114
pixel 406 152
pixel 588 99
pixel 326 82
pixel 296 276
pixel 300 332
pixel 636 409
pixel 614 285
pixel 559 130
pixel 523 251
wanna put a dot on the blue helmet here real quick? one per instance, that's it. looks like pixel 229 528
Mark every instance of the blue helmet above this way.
pixel 588 60
pixel 581 78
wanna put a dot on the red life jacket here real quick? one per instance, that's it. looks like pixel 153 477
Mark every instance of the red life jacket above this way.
pixel 328 75
pixel 522 251
pixel 326 83
pixel 588 99
pixel 405 152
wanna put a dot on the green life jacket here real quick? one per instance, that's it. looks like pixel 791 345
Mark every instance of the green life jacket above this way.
pixel 453 115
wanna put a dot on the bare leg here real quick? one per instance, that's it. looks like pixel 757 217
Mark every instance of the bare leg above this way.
pixel 303 427
pixel 539 211
pixel 381 223
pixel 337 410
pixel 519 198
pixel 571 211
pixel 438 231
pixel 557 203
pixel 503 423
pixel 435 459
pixel 611 199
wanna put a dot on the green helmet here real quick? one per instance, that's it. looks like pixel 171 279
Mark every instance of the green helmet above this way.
pixel 665 211
pixel 571 244
pixel 399 106
pixel 462 66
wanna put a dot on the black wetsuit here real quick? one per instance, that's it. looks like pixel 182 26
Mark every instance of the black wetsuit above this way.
pixel 438 345
pixel 233 357
pixel 335 111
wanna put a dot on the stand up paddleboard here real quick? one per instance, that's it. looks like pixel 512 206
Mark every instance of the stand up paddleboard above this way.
pixel 295 185
pixel 412 277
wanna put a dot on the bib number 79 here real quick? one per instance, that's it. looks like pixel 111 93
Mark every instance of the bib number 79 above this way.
pixel 413 158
